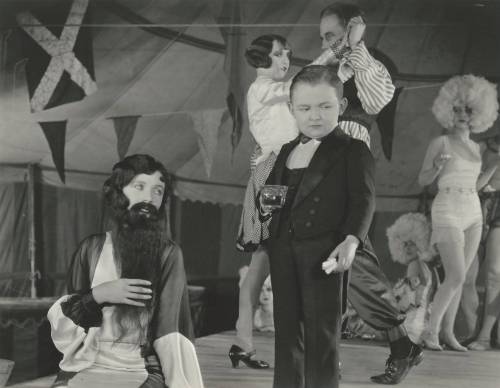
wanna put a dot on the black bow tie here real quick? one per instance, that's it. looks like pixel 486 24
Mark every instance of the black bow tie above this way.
pixel 304 138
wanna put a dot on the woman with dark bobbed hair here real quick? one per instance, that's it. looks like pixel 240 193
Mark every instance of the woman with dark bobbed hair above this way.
pixel 271 125
pixel 369 89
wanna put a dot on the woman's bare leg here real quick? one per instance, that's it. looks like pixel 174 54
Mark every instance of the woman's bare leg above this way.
pixel 249 298
pixel 470 299
pixel 492 300
pixel 472 237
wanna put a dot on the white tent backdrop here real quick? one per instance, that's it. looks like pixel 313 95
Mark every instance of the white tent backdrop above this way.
pixel 168 81
pixel 168 64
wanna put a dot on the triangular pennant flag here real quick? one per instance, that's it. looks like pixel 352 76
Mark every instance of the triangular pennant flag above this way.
pixel 55 133
pixel 125 129
pixel 235 112
pixel 385 122
pixel 235 40
pixel 60 66
pixel 206 124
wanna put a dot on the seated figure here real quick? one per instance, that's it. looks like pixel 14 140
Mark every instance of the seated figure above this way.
pixel 409 244
pixel 263 312
pixel 126 320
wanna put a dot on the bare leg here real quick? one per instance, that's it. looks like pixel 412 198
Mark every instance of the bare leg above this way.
pixel 249 297
pixel 452 257
pixel 452 254
pixel 472 237
pixel 470 298
pixel 492 300
pixel 447 334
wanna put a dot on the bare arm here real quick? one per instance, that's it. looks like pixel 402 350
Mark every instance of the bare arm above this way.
pixel 433 163
pixel 273 92
pixel 490 164
pixel 485 176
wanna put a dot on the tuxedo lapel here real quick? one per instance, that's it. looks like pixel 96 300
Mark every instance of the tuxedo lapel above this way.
pixel 276 178
pixel 330 150
pixel 280 164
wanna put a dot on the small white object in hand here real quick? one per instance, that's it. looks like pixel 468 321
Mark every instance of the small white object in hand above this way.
pixel 329 265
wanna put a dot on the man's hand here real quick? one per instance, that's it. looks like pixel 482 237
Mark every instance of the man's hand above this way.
pixel 339 47
pixel 123 291
pixel 355 31
pixel 266 210
pixel 342 256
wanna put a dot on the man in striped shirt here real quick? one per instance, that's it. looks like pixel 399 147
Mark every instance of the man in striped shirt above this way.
pixel 368 88
pixel 367 84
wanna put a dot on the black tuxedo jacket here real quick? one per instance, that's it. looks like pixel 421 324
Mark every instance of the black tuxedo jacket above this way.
pixel 336 196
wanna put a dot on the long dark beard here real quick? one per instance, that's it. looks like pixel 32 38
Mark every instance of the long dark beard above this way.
pixel 139 241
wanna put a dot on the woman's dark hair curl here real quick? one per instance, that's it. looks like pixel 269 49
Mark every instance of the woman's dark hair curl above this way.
pixel 257 54
pixel 123 173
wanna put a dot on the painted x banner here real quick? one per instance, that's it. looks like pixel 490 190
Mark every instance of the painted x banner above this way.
pixel 69 55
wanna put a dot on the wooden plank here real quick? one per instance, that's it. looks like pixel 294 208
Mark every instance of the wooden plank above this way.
pixel 43 382
pixel 26 304
pixel 31 224
pixel 360 360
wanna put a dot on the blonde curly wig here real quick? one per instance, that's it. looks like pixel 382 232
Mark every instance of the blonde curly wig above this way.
pixel 476 92
pixel 410 227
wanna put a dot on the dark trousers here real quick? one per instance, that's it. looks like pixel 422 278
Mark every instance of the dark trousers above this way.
pixel 307 313
pixel 367 292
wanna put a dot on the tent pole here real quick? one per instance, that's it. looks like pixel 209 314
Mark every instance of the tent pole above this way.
pixel 31 223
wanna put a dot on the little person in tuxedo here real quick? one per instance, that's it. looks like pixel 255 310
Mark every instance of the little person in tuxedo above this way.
pixel 328 209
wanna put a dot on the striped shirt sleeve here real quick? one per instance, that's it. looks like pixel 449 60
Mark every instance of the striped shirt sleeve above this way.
pixel 373 82
pixel 356 131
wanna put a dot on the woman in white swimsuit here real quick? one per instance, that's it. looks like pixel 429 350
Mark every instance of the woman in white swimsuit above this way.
pixel 465 104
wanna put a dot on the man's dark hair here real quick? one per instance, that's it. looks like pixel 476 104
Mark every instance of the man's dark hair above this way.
pixel 343 11
pixel 257 54
pixel 316 74
pixel 124 172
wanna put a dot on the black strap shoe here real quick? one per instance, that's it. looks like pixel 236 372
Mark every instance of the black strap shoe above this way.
pixel 397 369
pixel 237 354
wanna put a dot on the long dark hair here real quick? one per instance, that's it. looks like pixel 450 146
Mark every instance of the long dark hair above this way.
pixel 137 244
pixel 123 173
pixel 139 254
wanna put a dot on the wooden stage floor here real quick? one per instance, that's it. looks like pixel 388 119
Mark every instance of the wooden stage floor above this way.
pixel 360 360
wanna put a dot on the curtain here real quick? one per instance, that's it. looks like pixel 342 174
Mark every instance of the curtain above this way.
pixel 67 216
pixel 14 259
pixel 64 217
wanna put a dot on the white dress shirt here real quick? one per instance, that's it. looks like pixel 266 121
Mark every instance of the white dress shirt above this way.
pixel 301 155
